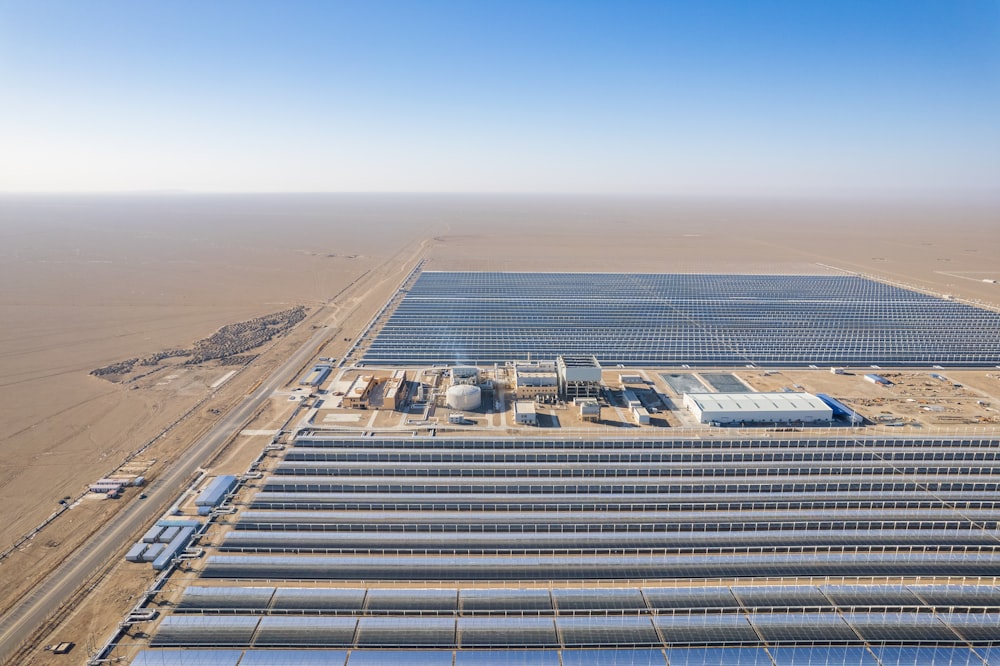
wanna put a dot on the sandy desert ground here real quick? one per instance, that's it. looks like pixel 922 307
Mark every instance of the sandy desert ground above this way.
pixel 88 281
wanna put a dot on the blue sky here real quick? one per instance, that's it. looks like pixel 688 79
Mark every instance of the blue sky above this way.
pixel 693 97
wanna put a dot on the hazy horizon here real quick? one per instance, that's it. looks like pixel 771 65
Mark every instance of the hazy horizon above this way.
pixel 720 98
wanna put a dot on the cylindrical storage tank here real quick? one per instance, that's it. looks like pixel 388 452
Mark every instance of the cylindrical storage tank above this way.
pixel 465 397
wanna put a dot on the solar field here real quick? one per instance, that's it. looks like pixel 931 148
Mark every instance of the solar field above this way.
pixel 423 550
pixel 667 320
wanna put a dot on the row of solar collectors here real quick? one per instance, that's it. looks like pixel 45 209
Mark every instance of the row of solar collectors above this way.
pixel 644 356
pixel 666 322
pixel 759 318
pixel 660 340
pixel 394 465
pixel 872 518
pixel 800 293
pixel 682 485
pixel 607 543
pixel 818 655
pixel 646 450
pixel 627 307
pixel 734 330
pixel 598 297
pixel 709 283
pixel 625 297
pixel 495 347
pixel 510 299
pixel 671 525
pixel 458 526
pixel 809 290
pixel 767 539
pixel 500 444
pixel 498 347
pixel 856 463
pixel 596 469
pixel 553 340
pixel 572 522
pixel 567 453
pixel 786 287
pixel 576 631
pixel 708 286
pixel 755 562
pixel 630 502
pixel 574 600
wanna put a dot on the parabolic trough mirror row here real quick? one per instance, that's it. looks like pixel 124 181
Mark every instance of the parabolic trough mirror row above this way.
pixel 424 550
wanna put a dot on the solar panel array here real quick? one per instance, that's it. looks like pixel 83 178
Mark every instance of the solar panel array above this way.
pixel 668 551
pixel 782 656
pixel 662 319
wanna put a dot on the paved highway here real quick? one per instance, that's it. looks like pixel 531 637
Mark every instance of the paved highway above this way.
pixel 58 588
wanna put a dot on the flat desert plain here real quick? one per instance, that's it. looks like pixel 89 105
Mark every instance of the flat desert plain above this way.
pixel 86 281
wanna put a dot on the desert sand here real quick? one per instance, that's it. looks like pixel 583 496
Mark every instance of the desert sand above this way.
pixel 89 281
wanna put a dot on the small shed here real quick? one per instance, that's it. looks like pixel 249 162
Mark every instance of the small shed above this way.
pixel 590 409
pixel 524 412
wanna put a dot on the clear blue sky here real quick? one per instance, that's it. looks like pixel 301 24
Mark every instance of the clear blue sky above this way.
pixel 676 97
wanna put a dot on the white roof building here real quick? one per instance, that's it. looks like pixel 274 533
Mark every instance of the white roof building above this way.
pixel 535 374
pixel 524 412
pixel 730 408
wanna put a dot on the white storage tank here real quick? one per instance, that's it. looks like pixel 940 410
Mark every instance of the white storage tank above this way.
pixel 465 397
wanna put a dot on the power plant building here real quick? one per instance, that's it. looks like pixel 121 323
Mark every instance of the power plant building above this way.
pixel 395 390
pixel 464 374
pixel 579 377
pixel 535 381
pixel 358 394
pixel 758 408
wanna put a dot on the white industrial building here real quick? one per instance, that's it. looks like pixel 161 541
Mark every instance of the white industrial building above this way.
pixel 464 374
pixel 537 381
pixel 579 377
pixel 758 408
